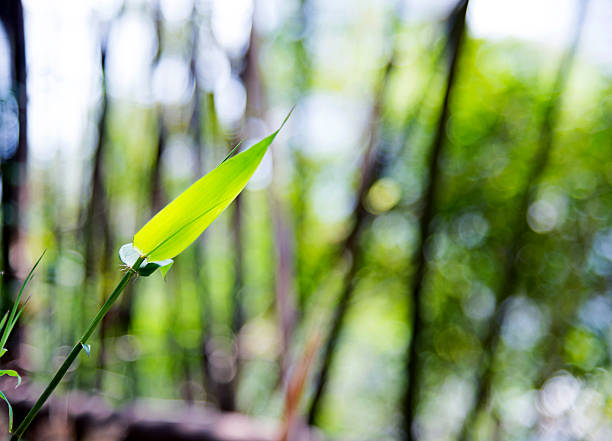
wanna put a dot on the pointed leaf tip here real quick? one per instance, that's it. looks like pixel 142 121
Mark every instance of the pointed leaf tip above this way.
pixel 165 268
pixel 286 119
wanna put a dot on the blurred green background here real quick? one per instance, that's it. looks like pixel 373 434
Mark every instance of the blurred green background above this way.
pixel 437 212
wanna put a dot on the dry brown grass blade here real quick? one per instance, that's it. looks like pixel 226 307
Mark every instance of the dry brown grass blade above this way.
pixel 296 386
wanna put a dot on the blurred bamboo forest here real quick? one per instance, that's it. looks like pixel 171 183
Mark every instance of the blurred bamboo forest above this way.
pixel 434 223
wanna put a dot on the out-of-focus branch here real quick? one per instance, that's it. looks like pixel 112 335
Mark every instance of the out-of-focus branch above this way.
pixel 510 279
pixel 303 79
pixel 385 157
pixel 96 221
pixel 283 235
pixel 250 80
pixel 154 192
pixel 157 196
pixel 414 364
pixel 374 166
pixel 237 304
pixel 96 204
pixel 195 129
pixel 296 387
pixel 371 167
pixel 14 162
pixel 285 301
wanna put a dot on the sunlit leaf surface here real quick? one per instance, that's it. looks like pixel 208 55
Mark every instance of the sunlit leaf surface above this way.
pixel 178 224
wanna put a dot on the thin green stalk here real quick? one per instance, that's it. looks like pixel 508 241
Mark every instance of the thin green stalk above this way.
pixel 75 352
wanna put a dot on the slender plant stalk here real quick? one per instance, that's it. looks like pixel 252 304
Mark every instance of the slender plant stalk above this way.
pixel 414 358
pixel 373 165
pixel 157 191
pixel 75 352
pixel 350 246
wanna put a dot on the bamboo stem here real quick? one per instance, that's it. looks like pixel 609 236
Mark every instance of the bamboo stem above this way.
pixel 75 352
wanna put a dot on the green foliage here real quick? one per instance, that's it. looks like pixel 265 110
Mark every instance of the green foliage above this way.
pixel 10 410
pixel 172 230
pixel 10 319
pixel 562 296
pixel 178 224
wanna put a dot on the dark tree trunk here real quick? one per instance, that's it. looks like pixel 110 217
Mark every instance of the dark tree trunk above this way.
pixel 14 161
pixel 413 362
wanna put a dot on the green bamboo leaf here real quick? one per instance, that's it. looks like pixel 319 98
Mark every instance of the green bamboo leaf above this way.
pixel 4 320
pixel 15 311
pixel 178 224
pixel 10 411
pixel 11 373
